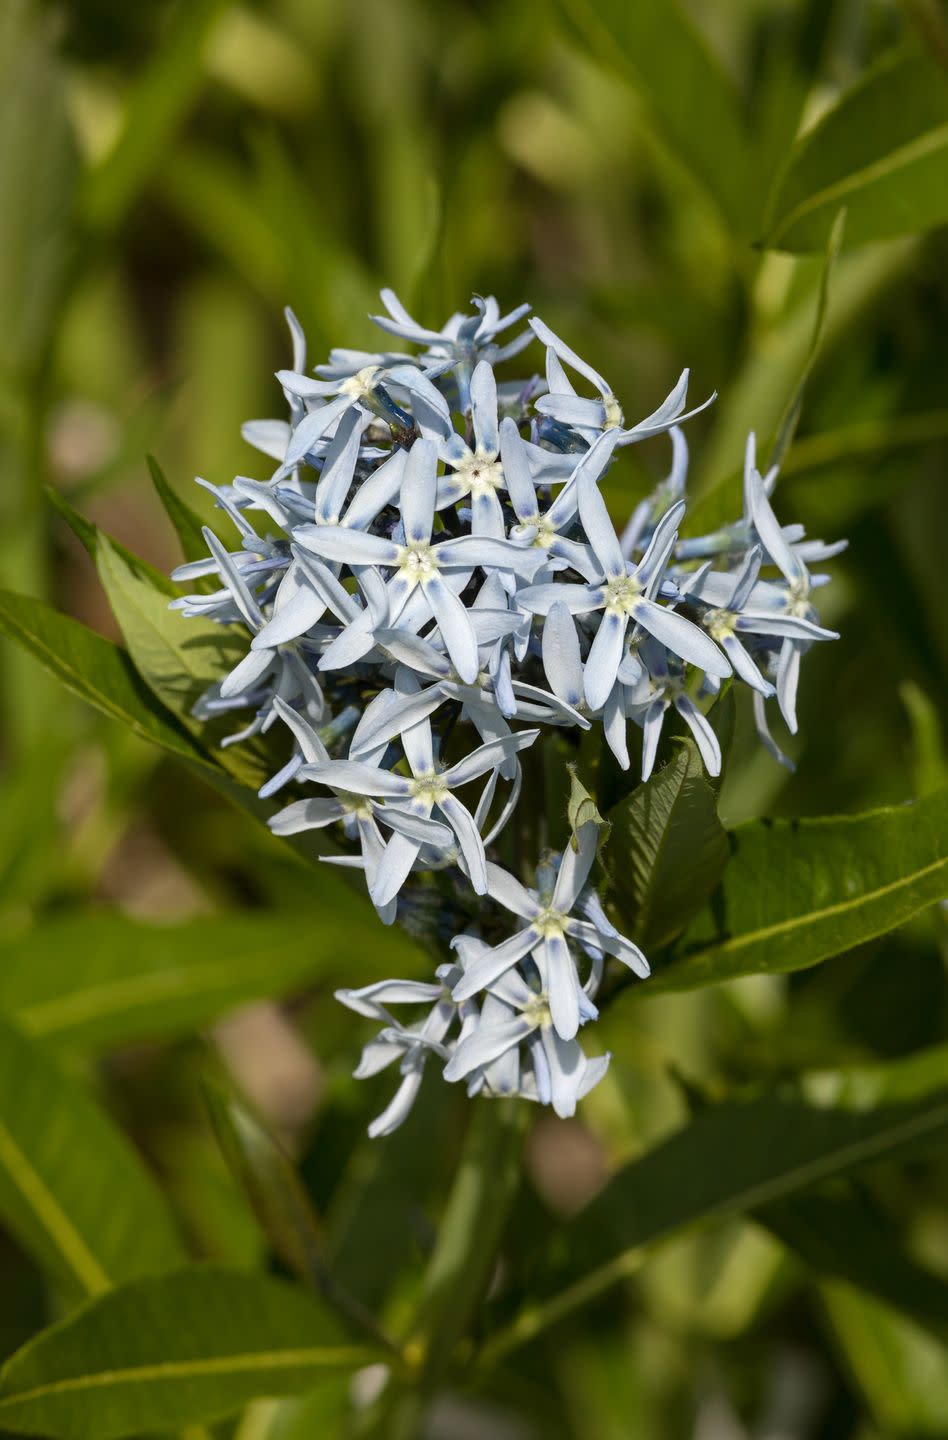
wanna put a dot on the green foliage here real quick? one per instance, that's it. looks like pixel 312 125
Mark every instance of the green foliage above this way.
pixel 735 1157
pixel 672 849
pixel 842 1234
pixel 96 670
pixel 690 101
pixel 129 981
pixel 882 151
pixel 798 891
pixel 665 181
pixel 191 1345
pixel 72 1189
pixel 187 523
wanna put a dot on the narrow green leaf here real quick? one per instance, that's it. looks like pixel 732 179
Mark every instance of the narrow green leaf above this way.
pixel 90 536
pixel 693 105
pixel 95 980
pixel 187 523
pixel 736 1157
pixel 98 671
pixel 882 151
pixel 266 1175
pixel 268 1178
pixel 900 1369
pixel 799 891
pixel 179 658
pixel 71 1188
pixel 930 759
pixel 668 850
pixel 842 1235
pixel 189 1346
pixel 160 101
pixel 791 416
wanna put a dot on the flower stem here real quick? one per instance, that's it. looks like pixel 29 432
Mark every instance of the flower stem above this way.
pixel 460 1267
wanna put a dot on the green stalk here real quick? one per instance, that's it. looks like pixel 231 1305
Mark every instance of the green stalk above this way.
pixel 460 1267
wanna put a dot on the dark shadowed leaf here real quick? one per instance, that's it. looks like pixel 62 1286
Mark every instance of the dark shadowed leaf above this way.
pixel 735 1157
pixel 667 851
pixel 690 100
pixel 171 1350
pixel 798 891
pixel 72 1189
pixel 882 151
pixel 841 1234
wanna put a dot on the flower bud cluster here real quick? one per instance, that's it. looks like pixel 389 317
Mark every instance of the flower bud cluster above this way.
pixel 433 580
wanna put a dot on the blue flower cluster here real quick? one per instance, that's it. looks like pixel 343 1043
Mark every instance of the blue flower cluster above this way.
pixel 443 568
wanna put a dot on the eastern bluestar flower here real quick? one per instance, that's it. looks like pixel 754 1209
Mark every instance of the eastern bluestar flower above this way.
pixel 430 581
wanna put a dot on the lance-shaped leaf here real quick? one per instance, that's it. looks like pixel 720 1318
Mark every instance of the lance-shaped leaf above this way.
pixel 98 671
pixel 882 151
pixel 177 1349
pixel 841 1234
pixel 798 891
pixel 733 1158
pixel 178 657
pixel 268 1178
pixel 72 1189
pixel 187 523
pixel 668 850
pixel 100 979
pixel 900 1368
pixel 688 96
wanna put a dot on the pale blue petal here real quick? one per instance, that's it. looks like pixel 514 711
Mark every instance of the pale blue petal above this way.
pixel 575 867
pixel 484 408
pixel 352 547
pixel 456 629
pixel 418 490
pixel 562 660
pixel 681 637
pixel 355 778
pixel 605 655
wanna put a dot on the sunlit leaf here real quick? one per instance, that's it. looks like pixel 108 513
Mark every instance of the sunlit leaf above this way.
pixel 96 670
pixel 882 151
pixel 796 892
pixel 192 1345
pixel 103 979
pixel 72 1190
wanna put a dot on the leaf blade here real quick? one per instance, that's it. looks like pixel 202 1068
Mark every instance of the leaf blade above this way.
pixel 673 849
pixel 186 1347
pixel 773 915
pixel 882 151
pixel 87 1225
pixel 134 981
pixel 97 670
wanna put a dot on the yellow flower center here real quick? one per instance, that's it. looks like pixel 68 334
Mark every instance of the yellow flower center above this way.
pixel 417 563
pixel 429 788
pixel 622 595
pixel 361 383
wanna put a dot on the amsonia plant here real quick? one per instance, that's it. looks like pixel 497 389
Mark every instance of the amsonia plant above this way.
pixel 434 595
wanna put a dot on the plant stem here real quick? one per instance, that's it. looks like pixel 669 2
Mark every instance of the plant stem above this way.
pixel 460 1267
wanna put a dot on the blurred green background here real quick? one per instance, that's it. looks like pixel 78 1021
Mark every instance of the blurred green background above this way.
pixel 170 176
